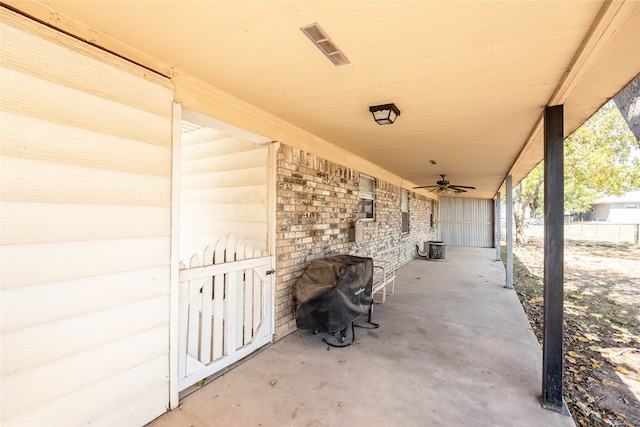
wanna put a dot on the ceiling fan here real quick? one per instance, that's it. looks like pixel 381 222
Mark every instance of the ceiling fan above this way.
pixel 445 186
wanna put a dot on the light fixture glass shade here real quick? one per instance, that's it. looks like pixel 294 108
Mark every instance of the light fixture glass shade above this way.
pixel 385 114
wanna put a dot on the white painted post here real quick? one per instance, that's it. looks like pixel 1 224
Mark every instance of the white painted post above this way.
pixel 509 231
pixel 174 289
pixel 271 238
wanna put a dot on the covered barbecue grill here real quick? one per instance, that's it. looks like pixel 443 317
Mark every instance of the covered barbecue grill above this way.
pixel 334 292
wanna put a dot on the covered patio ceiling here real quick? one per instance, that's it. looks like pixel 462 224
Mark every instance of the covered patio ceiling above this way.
pixel 471 78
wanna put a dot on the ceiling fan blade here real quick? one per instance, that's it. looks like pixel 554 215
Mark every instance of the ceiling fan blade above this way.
pixel 458 190
pixel 462 186
pixel 434 189
pixel 426 186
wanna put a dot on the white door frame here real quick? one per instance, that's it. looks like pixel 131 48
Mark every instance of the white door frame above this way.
pixel 179 114
pixel 174 294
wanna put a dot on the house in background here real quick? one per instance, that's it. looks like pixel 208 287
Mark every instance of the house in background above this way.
pixel 623 209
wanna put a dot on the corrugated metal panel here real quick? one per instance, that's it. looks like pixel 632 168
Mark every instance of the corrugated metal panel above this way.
pixel 466 222
pixel 86 195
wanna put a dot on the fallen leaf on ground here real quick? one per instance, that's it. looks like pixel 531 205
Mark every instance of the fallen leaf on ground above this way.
pixel 610 383
pixel 583 408
pixel 621 369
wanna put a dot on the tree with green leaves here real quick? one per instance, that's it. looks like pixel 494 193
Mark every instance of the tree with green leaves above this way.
pixel 601 159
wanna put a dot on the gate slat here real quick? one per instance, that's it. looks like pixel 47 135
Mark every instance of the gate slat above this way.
pixel 193 328
pixel 195 304
pixel 229 300
pixel 236 248
pixel 218 303
pixel 242 304
pixel 206 321
pixel 183 323
pixel 258 296
pixel 230 313
pixel 248 299
pixel 207 310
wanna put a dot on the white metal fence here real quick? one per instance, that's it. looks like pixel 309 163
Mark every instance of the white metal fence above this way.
pixel 594 231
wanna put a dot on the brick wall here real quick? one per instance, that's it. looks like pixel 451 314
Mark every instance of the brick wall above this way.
pixel 317 203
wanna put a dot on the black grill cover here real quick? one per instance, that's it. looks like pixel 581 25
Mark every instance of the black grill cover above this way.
pixel 333 292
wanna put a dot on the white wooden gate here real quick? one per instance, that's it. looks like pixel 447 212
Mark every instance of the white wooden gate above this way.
pixel 226 308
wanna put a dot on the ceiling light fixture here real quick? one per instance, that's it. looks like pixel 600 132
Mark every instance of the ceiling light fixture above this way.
pixel 385 114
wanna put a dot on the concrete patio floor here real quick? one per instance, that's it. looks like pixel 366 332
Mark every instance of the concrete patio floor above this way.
pixel 454 348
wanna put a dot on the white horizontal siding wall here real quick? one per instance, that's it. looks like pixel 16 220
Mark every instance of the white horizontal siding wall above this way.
pixel 622 214
pixel 85 243
pixel 466 222
pixel 224 190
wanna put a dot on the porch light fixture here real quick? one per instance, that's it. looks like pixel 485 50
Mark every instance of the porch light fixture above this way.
pixel 385 114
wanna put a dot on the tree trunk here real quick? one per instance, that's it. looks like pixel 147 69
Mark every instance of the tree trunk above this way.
pixel 628 102
pixel 518 215
pixel 518 219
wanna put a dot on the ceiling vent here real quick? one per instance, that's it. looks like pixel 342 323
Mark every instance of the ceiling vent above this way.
pixel 325 44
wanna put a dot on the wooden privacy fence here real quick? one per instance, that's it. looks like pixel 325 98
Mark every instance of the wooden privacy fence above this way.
pixel 225 308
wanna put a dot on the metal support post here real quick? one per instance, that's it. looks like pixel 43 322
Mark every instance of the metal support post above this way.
pixel 553 259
